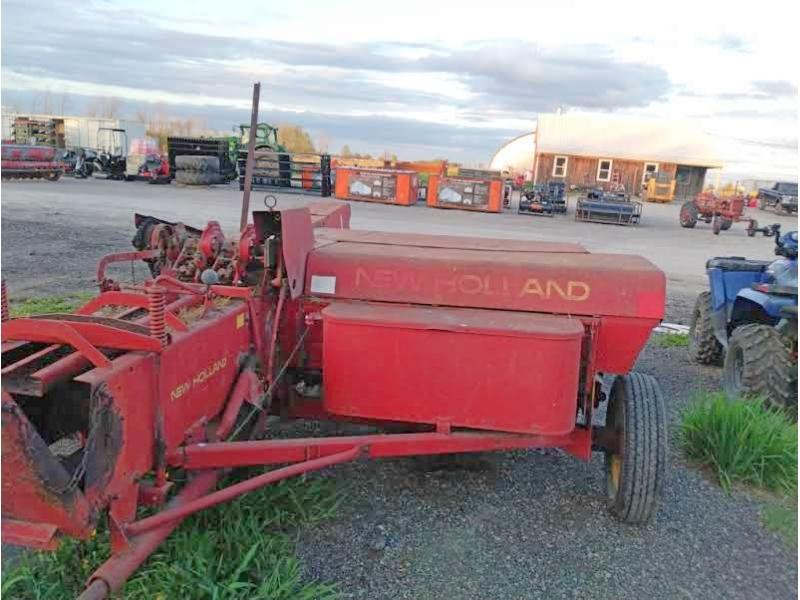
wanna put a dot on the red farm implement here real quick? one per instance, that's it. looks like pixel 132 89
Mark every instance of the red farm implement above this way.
pixel 430 337
pixel 721 211
pixel 20 161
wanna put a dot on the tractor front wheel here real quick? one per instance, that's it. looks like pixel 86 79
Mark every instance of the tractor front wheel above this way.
pixel 636 464
pixel 758 363
pixel 688 215
pixel 704 347
pixel 725 223
pixel 716 224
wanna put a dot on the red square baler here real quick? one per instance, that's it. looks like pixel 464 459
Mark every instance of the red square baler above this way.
pixel 444 344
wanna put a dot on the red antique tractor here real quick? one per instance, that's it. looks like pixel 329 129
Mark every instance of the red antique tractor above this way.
pixel 720 211
pixel 460 344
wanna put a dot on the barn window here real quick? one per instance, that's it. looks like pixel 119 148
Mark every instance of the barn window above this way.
pixel 560 166
pixel 650 169
pixel 604 169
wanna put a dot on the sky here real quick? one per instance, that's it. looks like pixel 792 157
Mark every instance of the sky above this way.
pixel 416 78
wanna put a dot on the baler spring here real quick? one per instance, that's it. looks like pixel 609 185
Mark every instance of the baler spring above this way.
pixel 5 302
pixel 157 303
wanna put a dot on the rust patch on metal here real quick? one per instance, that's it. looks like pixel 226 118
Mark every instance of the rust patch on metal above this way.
pixel 105 438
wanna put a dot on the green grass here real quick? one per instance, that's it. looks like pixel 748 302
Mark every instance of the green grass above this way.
pixel 240 550
pixel 48 304
pixel 780 516
pixel 741 441
pixel 672 340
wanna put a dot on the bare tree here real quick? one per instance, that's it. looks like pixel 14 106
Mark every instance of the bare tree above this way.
pixel 323 142
pixel 46 102
pixel 63 103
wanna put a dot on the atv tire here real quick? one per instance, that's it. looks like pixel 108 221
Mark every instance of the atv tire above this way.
pixel 197 163
pixel 704 347
pixel 688 215
pixel 758 363
pixel 635 468
pixel 196 177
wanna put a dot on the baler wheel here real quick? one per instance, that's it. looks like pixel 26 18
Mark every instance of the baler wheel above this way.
pixel 635 468
pixel 758 363
pixel 688 215
pixel 704 347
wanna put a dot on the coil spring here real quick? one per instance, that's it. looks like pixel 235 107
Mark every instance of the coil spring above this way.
pixel 157 306
pixel 6 315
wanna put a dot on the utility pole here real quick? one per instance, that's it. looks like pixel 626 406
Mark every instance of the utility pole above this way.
pixel 251 149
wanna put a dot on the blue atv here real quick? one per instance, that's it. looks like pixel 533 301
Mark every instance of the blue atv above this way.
pixel 748 322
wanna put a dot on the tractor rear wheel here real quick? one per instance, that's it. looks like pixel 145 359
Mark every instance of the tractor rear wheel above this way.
pixel 197 163
pixel 688 215
pixel 704 347
pixel 725 223
pixel 758 363
pixel 635 468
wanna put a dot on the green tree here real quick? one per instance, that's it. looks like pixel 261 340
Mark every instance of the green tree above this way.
pixel 295 139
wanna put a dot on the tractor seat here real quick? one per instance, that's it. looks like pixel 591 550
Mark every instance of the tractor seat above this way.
pixel 737 263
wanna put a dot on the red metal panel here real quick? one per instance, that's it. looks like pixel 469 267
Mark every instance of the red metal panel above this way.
pixel 468 368
pixel 548 282
pixel 32 535
pixel 298 240
pixel 422 240
pixel 330 214
pixel 198 369
pixel 131 382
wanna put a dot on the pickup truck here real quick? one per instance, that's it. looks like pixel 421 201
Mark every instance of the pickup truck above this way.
pixel 782 197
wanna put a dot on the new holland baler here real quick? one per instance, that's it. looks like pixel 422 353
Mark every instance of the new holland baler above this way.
pixel 459 344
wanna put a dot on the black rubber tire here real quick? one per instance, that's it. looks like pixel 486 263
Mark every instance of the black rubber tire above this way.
pixel 196 177
pixel 704 347
pixel 751 228
pixel 716 224
pixel 725 223
pixel 197 163
pixel 758 363
pixel 635 472
pixel 688 215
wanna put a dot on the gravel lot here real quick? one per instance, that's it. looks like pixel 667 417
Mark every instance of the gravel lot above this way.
pixel 512 525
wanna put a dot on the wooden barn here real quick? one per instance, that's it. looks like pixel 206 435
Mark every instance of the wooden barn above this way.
pixel 588 150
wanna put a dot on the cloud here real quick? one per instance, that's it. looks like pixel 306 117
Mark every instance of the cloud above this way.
pixel 374 134
pixel 775 88
pixel 83 49
pixel 727 41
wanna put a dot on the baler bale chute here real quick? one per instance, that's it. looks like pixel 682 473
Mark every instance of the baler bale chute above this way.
pixel 600 206
pixel 453 344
